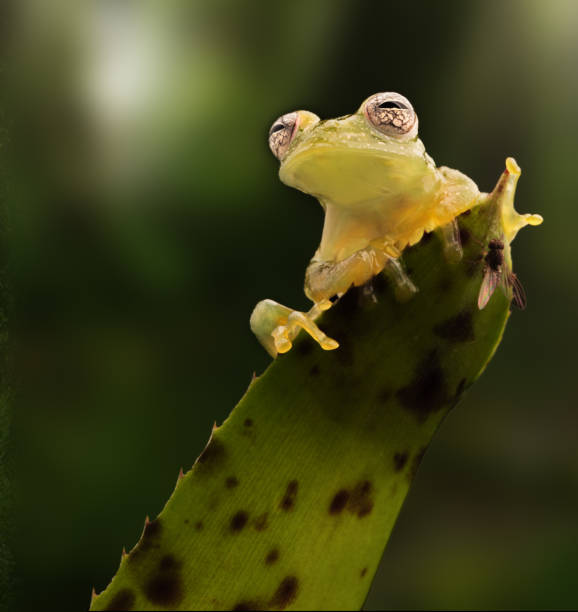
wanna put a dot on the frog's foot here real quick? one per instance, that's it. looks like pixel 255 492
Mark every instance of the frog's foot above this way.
pixel 277 326
pixel 285 333
pixel 452 242
pixel 404 287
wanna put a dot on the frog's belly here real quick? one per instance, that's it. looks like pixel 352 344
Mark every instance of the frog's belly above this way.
pixel 396 221
pixel 344 233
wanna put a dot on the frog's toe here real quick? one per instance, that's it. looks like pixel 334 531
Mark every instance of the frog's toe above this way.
pixel 329 344
pixel 281 339
pixel 404 287
pixel 299 320
pixel 268 323
pixel 452 241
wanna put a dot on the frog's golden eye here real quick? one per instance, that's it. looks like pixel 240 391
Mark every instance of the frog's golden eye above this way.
pixel 281 134
pixel 391 114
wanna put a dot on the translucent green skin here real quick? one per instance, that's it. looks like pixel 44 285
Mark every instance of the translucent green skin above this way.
pixel 371 185
pixel 380 192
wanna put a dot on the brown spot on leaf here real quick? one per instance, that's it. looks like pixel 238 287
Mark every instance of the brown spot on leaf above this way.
pixel 345 352
pixel 459 392
pixel 272 556
pixel 288 501
pixel 357 501
pixel 212 456
pixel 168 562
pixel 399 460
pixel 305 346
pixel 165 587
pixel 261 522
pixel 248 423
pixel 427 392
pixel 360 502
pixel 285 593
pixel 231 482
pixel 339 501
pixel 461 388
pixel 199 525
pixel 123 600
pixel 350 302
pixel 239 520
pixel 149 540
pixel 363 572
pixel 415 463
pixel 151 531
pixel 379 284
pixel 248 604
pixel 457 329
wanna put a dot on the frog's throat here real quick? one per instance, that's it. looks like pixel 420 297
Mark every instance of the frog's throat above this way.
pixel 503 194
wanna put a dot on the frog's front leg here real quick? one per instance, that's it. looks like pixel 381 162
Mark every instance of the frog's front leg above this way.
pixel 324 280
pixel 276 326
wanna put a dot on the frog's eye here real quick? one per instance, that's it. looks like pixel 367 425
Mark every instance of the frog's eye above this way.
pixel 281 134
pixel 391 114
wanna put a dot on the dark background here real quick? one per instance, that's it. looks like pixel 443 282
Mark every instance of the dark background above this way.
pixel 146 219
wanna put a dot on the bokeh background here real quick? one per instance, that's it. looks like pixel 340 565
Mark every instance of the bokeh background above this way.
pixel 146 219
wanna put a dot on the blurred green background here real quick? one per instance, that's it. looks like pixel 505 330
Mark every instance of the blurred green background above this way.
pixel 146 219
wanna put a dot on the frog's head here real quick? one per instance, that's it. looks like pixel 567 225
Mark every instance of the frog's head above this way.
pixel 372 155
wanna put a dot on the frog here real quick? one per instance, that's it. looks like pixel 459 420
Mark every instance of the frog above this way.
pixel 380 191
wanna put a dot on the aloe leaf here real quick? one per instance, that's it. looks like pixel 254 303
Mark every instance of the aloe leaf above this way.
pixel 291 503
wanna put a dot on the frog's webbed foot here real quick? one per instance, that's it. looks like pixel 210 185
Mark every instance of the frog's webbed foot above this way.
pixel 452 242
pixel 276 326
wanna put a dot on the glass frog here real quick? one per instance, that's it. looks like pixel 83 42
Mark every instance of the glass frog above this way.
pixel 380 191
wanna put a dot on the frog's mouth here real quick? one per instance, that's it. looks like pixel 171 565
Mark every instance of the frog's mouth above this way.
pixel 357 172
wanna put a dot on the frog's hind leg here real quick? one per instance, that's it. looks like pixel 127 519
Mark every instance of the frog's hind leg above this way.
pixel 276 326
pixel 452 242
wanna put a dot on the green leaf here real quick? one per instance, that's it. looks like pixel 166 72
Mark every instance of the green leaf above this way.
pixel 292 501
